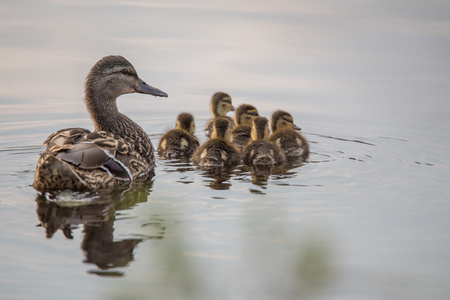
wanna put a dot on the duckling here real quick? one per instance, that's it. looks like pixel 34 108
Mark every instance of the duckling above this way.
pixel 218 151
pixel 219 106
pixel 244 115
pixel 292 143
pixel 181 141
pixel 261 151
pixel 118 151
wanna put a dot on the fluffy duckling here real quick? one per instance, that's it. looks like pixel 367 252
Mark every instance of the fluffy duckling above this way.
pixel 244 116
pixel 218 151
pixel 181 141
pixel 219 106
pixel 118 151
pixel 292 143
pixel 261 151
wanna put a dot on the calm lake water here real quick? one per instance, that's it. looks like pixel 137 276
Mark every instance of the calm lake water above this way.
pixel 366 218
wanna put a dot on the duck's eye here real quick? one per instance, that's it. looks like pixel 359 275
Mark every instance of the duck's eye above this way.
pixel 125 72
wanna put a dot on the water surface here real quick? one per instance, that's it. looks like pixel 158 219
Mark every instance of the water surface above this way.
pixel 365 218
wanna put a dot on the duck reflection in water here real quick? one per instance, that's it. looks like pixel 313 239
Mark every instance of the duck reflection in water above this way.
pixel 97 215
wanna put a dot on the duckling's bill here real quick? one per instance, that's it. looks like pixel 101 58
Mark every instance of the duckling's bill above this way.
pixel 144 88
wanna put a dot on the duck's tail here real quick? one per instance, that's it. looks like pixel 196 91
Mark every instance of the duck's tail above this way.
pixel 55 174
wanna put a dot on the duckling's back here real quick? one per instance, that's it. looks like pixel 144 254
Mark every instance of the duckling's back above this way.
pixel 177 143
pixel 263 152
pixel 292 143
pixel 216 153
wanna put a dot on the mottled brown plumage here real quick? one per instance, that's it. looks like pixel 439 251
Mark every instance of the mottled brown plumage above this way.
pixel 119 151
pixel 218 151
pixel 244 116
pixel 260 151
pixel 220 105
pixel 181 141
pixel 292 143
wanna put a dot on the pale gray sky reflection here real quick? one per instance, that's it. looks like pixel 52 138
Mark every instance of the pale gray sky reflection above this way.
pixel 371 61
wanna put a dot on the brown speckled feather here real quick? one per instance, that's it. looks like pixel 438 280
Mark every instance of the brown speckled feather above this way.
pixel 85 160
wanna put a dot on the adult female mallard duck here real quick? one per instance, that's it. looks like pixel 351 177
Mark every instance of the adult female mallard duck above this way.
pixel 292 143
pixel 117 151
pixel 218 151
pixel 219 106
pixel 181 141
pixel 261 151
pixel 244 116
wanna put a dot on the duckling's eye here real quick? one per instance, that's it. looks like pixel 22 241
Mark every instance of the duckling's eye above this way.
pixel 125 72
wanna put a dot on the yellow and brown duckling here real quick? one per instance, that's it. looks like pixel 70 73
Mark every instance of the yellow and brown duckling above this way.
pixel 118 151
pixel 292 143
pixel 219 106
pixel 218 151
pixel 181 141
pixel 261 151
pixel 244 116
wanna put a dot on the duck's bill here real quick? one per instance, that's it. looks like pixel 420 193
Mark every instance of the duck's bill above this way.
pixel 297 128
pixel 144 88
pixel 232 108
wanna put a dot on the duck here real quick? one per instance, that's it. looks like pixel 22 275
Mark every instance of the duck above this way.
pixel 181 141
pixel 218 151
pixel 284 134
pixel 220 105
pixel 117 152
pixel 260 151
pixel 244 116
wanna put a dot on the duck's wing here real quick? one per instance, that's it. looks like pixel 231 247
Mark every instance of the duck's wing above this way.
pixel 90 150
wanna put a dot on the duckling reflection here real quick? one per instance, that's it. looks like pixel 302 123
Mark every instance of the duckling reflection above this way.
pixel 96 213
pixel 218 178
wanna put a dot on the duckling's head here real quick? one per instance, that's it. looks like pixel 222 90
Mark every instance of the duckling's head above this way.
pixel 282 120
pixel 220 104
pixel 186 122
pixel 221 129
pixel 245 114
pixel 260 129
pixel 113 76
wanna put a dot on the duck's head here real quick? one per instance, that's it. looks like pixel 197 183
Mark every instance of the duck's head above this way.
pixel 282 120
pixel 260 129
pixel 113 76
pixel 221 129
pixel 245 114
pixel 220 104
pixel 186 122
